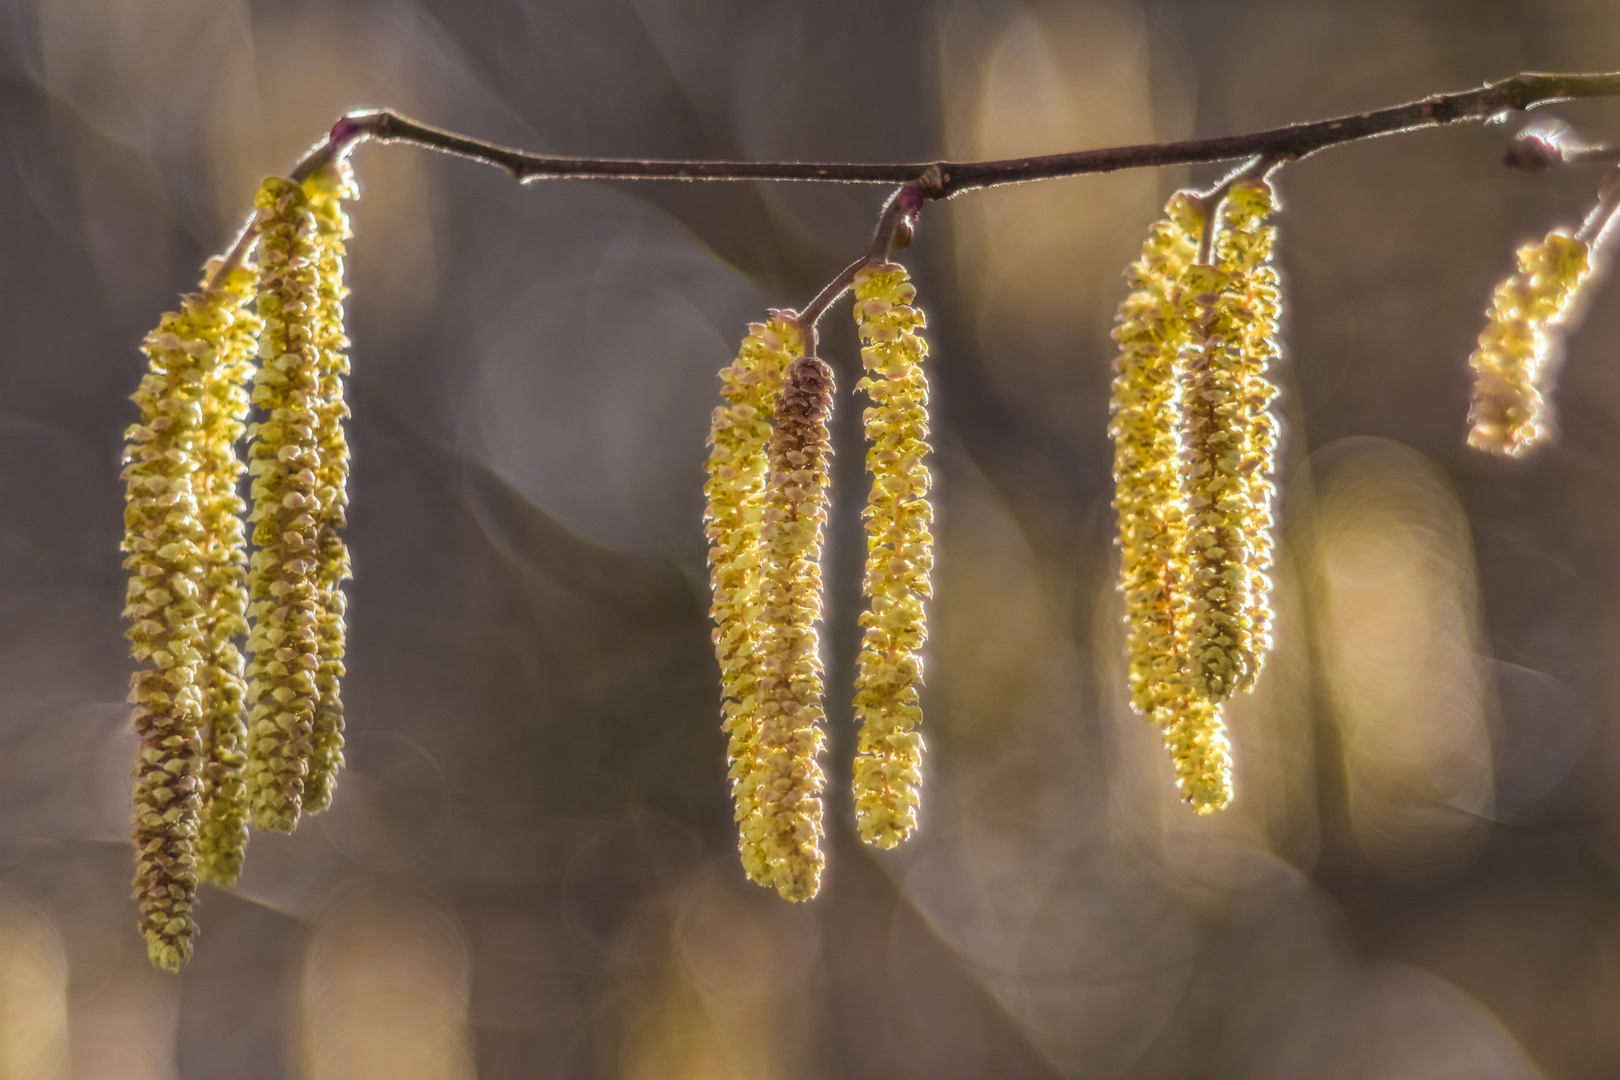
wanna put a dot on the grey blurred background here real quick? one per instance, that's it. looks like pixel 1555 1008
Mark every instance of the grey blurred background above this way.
pixel 529 870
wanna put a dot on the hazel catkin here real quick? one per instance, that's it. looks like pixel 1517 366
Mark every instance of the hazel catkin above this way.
pixel 790 713
pixel 222 831
pixel 1514 363
pixel 168 599
pixel 899 547
pixel 283 456
pixel 326 189
pixel 737 465
pixel 1146 428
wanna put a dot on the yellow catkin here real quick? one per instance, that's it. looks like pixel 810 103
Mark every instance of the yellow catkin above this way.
pixel 165 603
pixel 1227 452
pixel 1145 425
pixel 899 548
pixel 283 457
pixel 222 832
pixel 1195 735
pixel 791 716
pixel 1513 366
pixel 1243 248
pixel 737 467
pixel 326 189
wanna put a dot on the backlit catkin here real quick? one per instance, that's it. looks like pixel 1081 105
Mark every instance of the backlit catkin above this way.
pixel 1513 366
pixel 1145 425
pixel 899 557
pixel 326 189
pixel 165 603
pixel 1243 248
pixel 1195 735
pixel 737 467
pixel 222 831
pixel 1227 453
pixel 789 695
pixel 283 456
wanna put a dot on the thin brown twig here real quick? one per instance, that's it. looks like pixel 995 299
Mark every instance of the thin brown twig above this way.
pixel 944 179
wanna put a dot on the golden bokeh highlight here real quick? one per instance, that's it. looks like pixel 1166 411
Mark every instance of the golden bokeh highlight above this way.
pixel 1039 262
pixel 33 997
pixel 385 993
pixel 723 996
pixel 1398 629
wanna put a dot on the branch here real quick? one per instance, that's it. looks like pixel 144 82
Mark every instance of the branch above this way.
pixel 944 179
pixel 1525 91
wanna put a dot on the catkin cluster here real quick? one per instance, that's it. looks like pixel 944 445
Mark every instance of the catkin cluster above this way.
pixel 1195 444
pixel 767 508
pixel 1513 366
pixel 899 556
pixel 203 769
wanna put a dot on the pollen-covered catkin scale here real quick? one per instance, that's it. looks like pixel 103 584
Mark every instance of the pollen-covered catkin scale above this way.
pixel 326 189
pixel 165 603
pixel 1145 425
pixel 899 557
pixel 222 831
pixel 737 466
pixel 789 695
pixel 1513 366
pixel 283 457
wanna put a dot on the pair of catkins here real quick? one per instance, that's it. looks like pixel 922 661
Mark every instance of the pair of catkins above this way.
pixel 1195 446
pixel 223 741
pixel 767 505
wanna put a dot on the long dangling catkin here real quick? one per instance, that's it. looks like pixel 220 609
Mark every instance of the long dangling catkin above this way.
pixel 1513 366
pixel 1243 248
pixel 791 718
pixel 282 459
pixel 737 467
pixel 1227 454
pixel 165 603
pixel 222 832
pixel 326 189
pixel 899 548
pixel 1146 428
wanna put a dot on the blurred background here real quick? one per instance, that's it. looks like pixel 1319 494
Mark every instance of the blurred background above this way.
pixel 530 866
